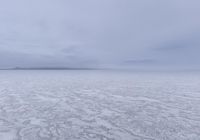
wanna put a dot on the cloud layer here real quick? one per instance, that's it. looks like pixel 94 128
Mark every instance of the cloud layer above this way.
pixel 98 33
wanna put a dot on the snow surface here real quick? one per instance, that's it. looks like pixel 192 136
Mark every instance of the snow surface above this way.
pixel 97 105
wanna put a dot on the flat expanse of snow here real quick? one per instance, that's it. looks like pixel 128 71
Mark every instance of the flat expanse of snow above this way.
pixel 97 105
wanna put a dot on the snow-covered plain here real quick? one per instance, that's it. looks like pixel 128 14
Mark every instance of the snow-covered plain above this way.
pixel 97 105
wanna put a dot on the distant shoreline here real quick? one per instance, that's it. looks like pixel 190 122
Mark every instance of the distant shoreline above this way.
pixel 98 69
pixel 50 68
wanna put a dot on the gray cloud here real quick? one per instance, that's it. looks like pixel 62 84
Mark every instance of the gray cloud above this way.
pixel 99 33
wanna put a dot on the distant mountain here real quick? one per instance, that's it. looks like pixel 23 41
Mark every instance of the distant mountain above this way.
pixel 47 68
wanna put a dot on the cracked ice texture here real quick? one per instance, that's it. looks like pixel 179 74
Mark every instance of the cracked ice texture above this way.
pixel 98 105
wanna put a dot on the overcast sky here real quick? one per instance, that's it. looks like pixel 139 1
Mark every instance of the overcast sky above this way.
pixel 100 33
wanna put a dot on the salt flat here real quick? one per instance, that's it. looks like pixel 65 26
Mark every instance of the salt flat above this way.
pixel 99 105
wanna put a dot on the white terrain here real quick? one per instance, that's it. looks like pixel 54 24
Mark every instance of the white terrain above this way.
pixel 97 105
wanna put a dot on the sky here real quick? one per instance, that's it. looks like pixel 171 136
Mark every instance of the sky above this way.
pixel 100 33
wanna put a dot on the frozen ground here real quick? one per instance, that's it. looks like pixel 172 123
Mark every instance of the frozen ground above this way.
pixel 96 105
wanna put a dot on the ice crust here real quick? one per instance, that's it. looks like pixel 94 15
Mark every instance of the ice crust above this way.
pixel 98 105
